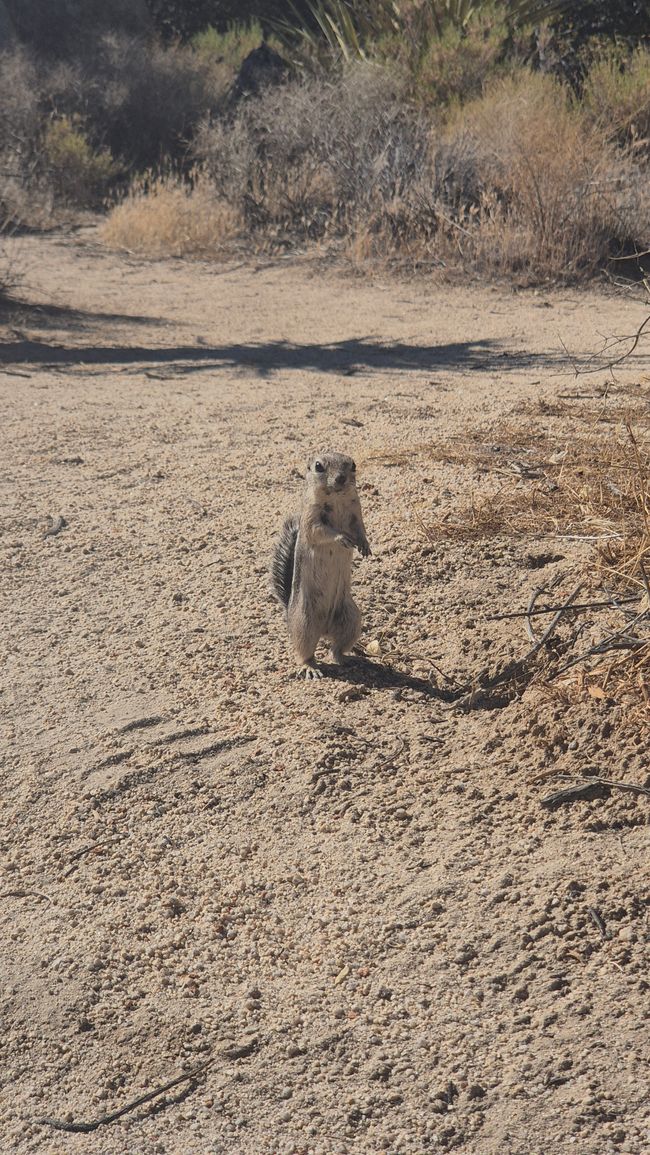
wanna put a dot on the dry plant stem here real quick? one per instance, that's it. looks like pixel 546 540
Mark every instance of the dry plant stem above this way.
pixel 633 787
pixel 517 666
pixel 580 370
pixel 530 613
pixel 537 592
pixel 386 762
pixel 597 920
pixel 61 1125
pixel 607 643
pixel 26 894
pixel 582 790
pixel 645 579
pixel 240 1052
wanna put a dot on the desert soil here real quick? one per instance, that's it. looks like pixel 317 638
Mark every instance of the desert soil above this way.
pixel 347 896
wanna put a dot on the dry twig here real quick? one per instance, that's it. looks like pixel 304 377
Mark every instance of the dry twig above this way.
pixel 519 665
pixel 231 1053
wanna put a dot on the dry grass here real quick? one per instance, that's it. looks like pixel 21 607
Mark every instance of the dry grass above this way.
pixel 164 216
pixel 556 196
pixel 582 487
pixel 616 95
pixel 595 484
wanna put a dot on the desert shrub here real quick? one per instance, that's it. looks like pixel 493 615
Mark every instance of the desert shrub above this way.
pixel 555 197
pixel 24 195
pixel 309 156
pixel 229 47
pixel 144 99
pixel 455 64
pixel 517 181
pixel 80 175
pixel 10 273
pixel 616 95
pixel 167 216
pixel 128 98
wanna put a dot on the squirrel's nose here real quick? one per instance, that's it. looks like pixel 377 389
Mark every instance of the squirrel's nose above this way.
pixel 339 479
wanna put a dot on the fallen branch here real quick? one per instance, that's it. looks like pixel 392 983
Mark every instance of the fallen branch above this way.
pixel 612 362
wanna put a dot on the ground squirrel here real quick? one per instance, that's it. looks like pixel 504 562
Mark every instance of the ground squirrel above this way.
pixel 312 564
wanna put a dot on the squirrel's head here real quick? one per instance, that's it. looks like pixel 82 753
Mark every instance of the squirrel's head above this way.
pixel 332 473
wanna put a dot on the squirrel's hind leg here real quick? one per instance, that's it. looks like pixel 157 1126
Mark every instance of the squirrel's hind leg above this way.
pixel 345 630
pixel 304 637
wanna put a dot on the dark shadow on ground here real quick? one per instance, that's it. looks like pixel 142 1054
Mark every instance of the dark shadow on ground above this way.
pixel 359 671
pixel 342 357
pixel 15 311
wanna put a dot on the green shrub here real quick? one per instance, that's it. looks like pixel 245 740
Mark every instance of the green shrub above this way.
pixel 80 175
pixel 230 47
pixel 140 99
pixel 455 65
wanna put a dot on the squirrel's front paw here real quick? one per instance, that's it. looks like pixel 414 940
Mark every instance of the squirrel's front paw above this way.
pixel 364 548
pixel 347 541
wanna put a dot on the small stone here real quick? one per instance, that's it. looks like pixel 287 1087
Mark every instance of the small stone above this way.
pixel 521 993
pixel 557 984
pixel 465 955
pixel 381 1073
pixel 476 1091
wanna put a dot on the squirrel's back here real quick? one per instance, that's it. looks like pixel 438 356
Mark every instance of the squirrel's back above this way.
pixel 283 560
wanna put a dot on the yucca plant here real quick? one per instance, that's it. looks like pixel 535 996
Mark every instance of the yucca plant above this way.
pixel 347 28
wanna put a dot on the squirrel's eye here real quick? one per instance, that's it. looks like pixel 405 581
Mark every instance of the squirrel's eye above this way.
pixel 319 467
pixel 353 468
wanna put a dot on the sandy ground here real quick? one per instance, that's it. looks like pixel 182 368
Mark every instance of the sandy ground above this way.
pixel 346 895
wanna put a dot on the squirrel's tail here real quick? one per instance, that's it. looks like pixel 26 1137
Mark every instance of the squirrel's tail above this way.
pixel 282 564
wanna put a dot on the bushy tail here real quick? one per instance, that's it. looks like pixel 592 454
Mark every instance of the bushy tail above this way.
pixel 282 564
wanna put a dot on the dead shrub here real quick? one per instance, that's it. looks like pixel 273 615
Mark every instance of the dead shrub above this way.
pixel 166 216
pixel 616 97
pixel 310 157
pixel 10 272
pixel 556 198
pixel 519 182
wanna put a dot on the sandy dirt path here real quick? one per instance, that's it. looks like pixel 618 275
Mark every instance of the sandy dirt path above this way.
pixel 346 894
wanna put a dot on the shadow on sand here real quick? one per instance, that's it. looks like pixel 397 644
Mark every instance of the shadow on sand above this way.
pixel 341 357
